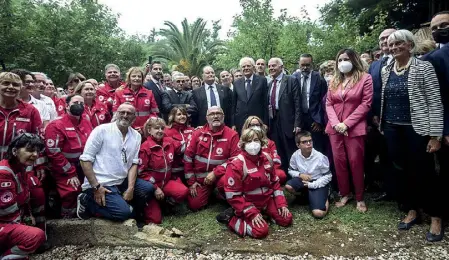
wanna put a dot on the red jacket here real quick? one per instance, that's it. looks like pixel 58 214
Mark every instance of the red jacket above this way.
pixel 106 94
pixel 270 148
pixel 23 119
pixel 143 100
pixel 14 193
pixel 156 159
pixel 60 105
pixel 180 133
pixel 65 138
pixel 250 182
pixel 208 151
pixel 98 113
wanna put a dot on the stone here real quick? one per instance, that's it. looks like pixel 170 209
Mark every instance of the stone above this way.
pixel 153 230
pixel 176 232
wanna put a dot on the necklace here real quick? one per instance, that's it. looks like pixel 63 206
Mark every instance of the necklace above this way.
pixel 401 71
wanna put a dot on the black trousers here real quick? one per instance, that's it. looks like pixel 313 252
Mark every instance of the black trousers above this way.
pixel 419 186
pixel 285 145
pixel 319 138
pixel 443 160
pixel 375 145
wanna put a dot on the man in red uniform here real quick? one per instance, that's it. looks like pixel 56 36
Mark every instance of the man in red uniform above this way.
pixel 64 141
pixel 106 94
pixel 206 157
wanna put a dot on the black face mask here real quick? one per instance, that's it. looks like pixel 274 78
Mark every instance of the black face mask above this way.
pixel 441 35
pixel 76 109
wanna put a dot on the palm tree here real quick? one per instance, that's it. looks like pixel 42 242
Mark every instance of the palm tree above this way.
pixel 191 49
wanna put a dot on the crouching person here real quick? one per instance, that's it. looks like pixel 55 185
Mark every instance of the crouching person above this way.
pixel 110 160
pixel 17 239
pixel 156 158
pixel 310 171
pixel 252 189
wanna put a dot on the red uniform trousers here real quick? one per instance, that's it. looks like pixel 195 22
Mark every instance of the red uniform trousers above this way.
pixel 17 241
pixel 68 196
pixel 175 190
pixel 348 153
pixel 244 226
pixel 203 194
pixel 282 176
pixel 37 200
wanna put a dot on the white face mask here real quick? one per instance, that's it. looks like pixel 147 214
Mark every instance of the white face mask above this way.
pixel 327 78
pixel 252 148
pixel 345 66
pixel 257 128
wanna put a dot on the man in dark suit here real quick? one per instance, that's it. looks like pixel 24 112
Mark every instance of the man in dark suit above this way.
pixel 313 88
pixel 284 110
pixel 249 95
pixel 155 84
pixel 440 61
pixel 210 95
pixel 176 96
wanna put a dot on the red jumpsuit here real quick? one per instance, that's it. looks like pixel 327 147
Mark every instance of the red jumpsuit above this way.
pixel 156 159
pixel 60 105
pixel 98 113
pixel 272 151
pixel 181 133
pixel 25 119
pixel 208 151
pixel 251 187
pixel 64 143
pixel 106 94
pixel 143 100
pixel 16 239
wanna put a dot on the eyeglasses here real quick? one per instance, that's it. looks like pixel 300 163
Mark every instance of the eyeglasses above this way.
pixel 306 142
pixel 124 159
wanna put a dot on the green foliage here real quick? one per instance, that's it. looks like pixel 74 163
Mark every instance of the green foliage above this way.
pixel 60 37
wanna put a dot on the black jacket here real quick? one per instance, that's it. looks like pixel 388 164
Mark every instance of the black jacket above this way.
pixel 200 98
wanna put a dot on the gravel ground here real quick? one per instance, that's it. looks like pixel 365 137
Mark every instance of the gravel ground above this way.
pixel 438 251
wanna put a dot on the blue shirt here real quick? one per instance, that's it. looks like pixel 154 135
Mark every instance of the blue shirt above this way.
pixel 396 100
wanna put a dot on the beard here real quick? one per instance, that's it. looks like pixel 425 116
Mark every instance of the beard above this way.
pixel 124 122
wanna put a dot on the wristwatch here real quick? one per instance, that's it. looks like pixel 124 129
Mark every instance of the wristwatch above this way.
pixel 438 138
pixel 97 187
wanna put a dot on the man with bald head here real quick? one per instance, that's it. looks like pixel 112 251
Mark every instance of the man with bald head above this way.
pixel 226 79
pixel 110 160
pixel 261 66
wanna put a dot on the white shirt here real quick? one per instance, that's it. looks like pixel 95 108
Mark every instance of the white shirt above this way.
pixel 307 85
pixel 251 80
pixel 104 149
pixel 50 107
pixel 231 87
pixel 316 165
pixel 217 97
pixel 442 45
pixel 278 87
pixel 41 107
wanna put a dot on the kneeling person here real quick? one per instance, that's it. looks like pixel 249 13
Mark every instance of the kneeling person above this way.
pixel 310 171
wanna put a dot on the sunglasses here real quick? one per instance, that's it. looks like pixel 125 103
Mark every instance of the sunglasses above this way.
pixel 124 159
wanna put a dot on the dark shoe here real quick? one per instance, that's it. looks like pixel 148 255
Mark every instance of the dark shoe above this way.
pixel 382 197
pixel 225 216
pixel 81 206
pixel 435 238
pixel 407 226
pixel 44 247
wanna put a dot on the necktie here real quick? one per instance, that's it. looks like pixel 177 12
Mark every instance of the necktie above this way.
pixel 179 95
pixel 213 100
pixel 248 88
pixel 273 96
pixel 305 104
pixel 385 61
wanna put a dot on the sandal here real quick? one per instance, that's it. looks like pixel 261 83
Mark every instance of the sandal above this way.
pixel 361 206
pixel 343 201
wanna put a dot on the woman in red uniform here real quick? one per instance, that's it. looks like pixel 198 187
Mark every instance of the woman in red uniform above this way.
pixel 97 111
pixel 156 159
pixel 138 96
pixel 252 189
pixel 180 131
pixel 256 123
pixel 17 240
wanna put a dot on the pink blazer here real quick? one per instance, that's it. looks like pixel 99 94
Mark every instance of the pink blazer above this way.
pixel 350 107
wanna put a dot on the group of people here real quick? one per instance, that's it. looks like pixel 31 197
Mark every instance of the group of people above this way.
pixel 128 149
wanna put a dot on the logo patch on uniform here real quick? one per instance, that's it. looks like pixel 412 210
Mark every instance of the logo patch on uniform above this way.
pixel 114 102
pixel 222 140
pixel 6 197
pixel 6 184
pixel 101 98
pixel 140 161
pixel 60 107
pixel 110 99
pixel 231 181
pixel 101 117
pixel 152 180
pixel 147 101
pixel 205 139
pixel 253 170
pixel 50 142
pixel 219 150
pixel 170 155
pixel 267 166
pixel 21 119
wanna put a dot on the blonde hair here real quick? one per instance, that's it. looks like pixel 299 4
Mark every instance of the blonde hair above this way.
pixel 357 69
pixel 81 85
pixel 174 111
pixel 425 46
pixel 327 66
pixel 131 71
pixel 249 134
pixel 263 126
pixel 153 122
pixel 10 76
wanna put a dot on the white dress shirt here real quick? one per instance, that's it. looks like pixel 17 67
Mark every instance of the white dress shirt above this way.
pixel 251 80
pixel 106 149
pixel 41 107
pixel 316 165
pixel 278 87
pixel 217 97
pixel 307 85
pixel 50 106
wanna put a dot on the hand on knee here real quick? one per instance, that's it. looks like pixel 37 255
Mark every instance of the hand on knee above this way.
pixel 290 189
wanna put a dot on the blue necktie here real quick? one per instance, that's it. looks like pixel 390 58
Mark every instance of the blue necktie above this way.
pixel 213 100
pixel 248 88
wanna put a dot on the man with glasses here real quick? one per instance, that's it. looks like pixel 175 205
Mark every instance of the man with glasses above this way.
pixel 177 96
pixel 110 161
pixel 40 83
pixel 206 157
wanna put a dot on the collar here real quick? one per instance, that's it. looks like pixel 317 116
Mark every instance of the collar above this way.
pixel 155 81
pixel 312 154
pixel 33 100
pixel 279 78
pixel 443 44
pixel 207 130
pixel 250 78
pixel 213 85
pixel 74 120
pixel 308 75
pixel 152 143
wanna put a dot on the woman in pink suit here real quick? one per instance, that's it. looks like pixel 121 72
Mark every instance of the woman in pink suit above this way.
pixel 347 104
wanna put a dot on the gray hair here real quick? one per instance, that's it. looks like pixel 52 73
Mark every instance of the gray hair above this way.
pixel 176 76
pixel 40 73
pixel 277 60
pixel 251 60
pixel 208 67
pixel 405 36
pixel 111 66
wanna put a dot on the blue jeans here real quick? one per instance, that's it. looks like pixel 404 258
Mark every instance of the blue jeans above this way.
pixel 117 209
pixel 317 197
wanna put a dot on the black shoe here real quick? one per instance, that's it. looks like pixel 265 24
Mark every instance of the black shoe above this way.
pixel 44 247
pixel 382 197
pixel 407 226
pixel 435 238
pixel 225 216
pixel 81 206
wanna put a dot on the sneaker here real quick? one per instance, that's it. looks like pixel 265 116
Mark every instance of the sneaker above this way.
pixel 81 207
pixel 225 216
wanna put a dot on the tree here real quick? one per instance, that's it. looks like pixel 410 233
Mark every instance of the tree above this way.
pixel 190 49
